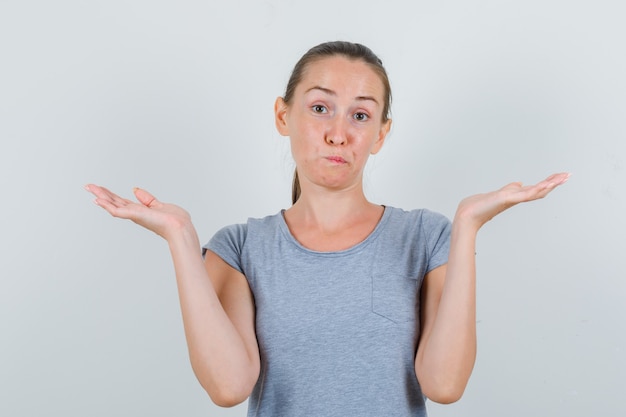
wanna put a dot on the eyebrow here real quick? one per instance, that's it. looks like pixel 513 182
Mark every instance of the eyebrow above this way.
pixel 332 93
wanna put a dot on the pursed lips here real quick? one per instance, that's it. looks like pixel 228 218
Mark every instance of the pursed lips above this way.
pixel 336 159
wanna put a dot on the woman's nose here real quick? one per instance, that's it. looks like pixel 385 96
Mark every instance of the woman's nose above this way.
pixel 337 132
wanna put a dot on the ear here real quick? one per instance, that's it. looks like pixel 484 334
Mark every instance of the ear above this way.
pixel 382 134
pixel 280 116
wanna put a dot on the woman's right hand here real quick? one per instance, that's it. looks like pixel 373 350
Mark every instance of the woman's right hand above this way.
pixel 161 218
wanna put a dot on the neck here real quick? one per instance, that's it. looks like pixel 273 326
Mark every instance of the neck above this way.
pixel 329 209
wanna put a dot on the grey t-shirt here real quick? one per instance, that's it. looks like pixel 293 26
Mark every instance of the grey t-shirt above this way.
pixel 337 331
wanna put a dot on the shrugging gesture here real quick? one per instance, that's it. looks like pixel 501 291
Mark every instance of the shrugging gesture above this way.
pixel 336 113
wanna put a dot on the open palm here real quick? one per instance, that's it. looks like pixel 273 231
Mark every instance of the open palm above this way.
pixel 480 208
pixel 161 218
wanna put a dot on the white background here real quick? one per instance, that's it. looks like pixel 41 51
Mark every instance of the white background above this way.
pixel 177 97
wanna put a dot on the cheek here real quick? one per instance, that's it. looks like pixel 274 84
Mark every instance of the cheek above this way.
pixel 300 148
pixel 307 134
pixel 310 126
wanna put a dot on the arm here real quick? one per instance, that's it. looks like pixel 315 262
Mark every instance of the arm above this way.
pixel 447 347
pixel 216 302
pixel 218 316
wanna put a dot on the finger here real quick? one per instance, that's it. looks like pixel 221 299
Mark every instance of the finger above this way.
pixel 555 179
pixel 144 197
pixel 558 179
pixel 550 183
pixel 95 189
pixel 111 202
pixel 124 209
pixel 104 194
pixel 116 199
pixel 541 189
pixel 512 186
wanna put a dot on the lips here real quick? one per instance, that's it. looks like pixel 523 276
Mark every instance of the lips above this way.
pixel 336 159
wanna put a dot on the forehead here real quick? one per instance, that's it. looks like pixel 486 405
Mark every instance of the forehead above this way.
pixel 352 77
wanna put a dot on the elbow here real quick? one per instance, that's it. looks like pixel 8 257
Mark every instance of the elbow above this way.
pixel 444 387
pixel 231 393
pixel 447 393
pixel 228 398
pixel 443 384
pixel 445 396
pixel 228 388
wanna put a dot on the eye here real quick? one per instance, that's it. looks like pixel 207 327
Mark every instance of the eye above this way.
pixel 318 108
pixel 361 117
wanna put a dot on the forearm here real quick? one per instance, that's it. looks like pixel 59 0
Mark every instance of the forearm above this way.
pixel 219 355
pixel 446 358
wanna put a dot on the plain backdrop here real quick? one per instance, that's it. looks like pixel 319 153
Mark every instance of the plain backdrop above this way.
pixel 177 97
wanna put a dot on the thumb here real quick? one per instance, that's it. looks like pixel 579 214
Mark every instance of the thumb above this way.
pixel 144 197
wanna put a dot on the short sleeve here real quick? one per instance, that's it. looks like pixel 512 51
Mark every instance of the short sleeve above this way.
pixel 228 243
pixel 437 228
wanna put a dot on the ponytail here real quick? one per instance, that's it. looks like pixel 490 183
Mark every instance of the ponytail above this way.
pixel 295 188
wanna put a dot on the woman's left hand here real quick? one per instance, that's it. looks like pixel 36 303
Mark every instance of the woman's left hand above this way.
pixel 478 209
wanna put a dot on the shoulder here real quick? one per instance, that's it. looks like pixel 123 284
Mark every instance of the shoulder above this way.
pixel 236 235
pixel 231 233
pixel 421 218
pixel 232 242
pixel 424 227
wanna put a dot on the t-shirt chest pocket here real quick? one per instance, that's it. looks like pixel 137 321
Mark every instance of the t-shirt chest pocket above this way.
pixel 395 296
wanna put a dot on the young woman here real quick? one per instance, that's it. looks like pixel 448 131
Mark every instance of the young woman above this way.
pixel 335 306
